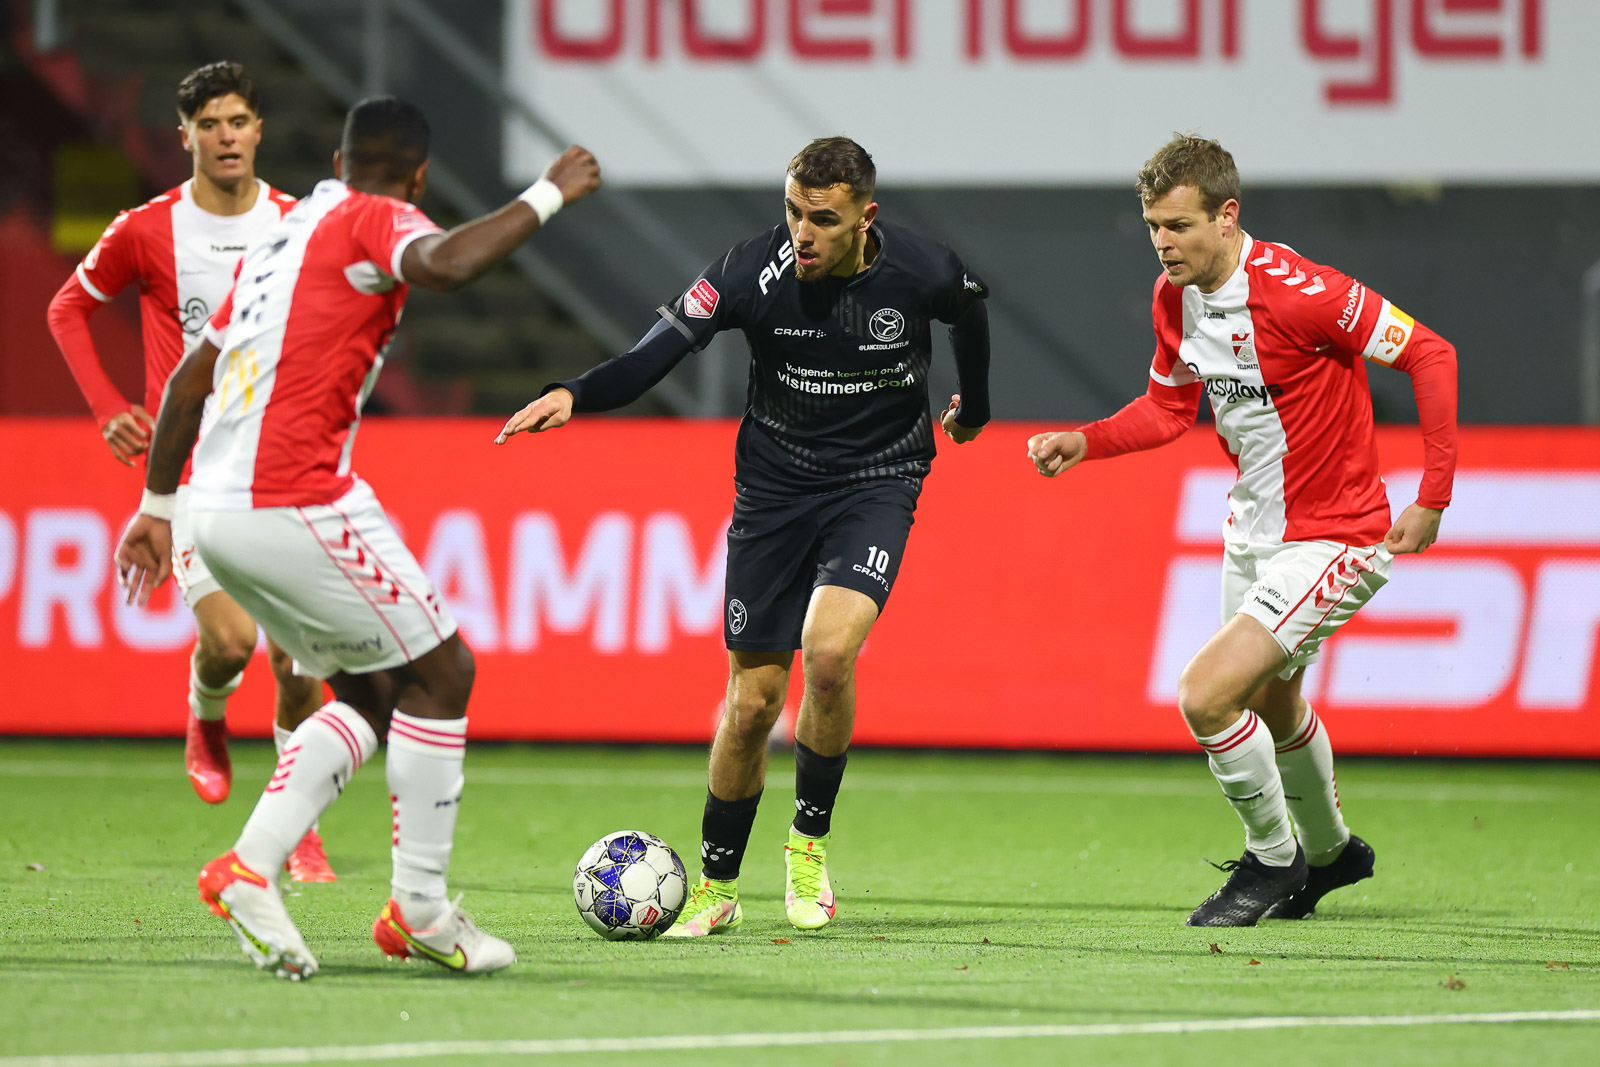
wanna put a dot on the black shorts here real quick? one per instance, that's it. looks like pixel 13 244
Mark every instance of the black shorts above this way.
pixel 779 550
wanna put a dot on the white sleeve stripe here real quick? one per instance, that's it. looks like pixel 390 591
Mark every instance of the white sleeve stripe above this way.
pixel 401 246
pixel 214 335
pixel 1176 379
pixel 89 287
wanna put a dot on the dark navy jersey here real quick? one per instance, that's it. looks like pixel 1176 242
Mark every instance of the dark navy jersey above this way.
pixel 838 366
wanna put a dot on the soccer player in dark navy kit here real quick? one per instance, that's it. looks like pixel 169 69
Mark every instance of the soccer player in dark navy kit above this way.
pixel 837 436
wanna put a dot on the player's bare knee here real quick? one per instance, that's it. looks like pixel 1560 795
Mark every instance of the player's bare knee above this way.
pixel 1204 706
pixel 751 711
pixel 830 667
pixel 223 655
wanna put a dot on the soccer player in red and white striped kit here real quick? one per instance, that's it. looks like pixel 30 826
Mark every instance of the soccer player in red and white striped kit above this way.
pixel 289 529
pixel 1278 344
pixel 180 249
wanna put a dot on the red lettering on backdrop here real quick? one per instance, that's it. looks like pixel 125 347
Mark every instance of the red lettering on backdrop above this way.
pixel 703 45
pixel 1430 42
pixel 1377 89
pixel 1230 29
pixel 1024 45
pixel 558 45
pixel 1184 43
pixel 1531 25
pixel 803 40
pixel 902 29
pixel 974 29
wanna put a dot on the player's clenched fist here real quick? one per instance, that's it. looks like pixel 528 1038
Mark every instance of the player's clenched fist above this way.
pixel 1053 453
pixel 575 172
pixel 549 412
pixel 954 430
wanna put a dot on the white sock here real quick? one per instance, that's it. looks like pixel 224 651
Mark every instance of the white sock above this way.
pixel 280 737
pixel 1241 760
pixel 207 703
pixel 425 782
pixel 321 756
pixel 1305 763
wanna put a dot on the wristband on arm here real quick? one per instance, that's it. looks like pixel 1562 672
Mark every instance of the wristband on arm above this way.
pixel 545 197
pixel 158 505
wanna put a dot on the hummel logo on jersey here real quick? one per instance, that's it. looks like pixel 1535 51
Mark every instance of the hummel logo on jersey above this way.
pixel 701 300
pixel 227 248
pixel 1216 314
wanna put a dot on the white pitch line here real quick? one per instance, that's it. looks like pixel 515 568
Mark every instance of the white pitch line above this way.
pixel 865 781
pixel 414 1050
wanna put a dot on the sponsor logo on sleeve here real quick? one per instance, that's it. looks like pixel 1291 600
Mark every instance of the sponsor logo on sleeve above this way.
pixel 701 300
pixel 1353 300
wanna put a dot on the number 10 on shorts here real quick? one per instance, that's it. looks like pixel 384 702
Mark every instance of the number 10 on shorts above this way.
pixel 878 559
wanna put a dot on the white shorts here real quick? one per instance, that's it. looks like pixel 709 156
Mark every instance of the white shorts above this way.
pixel 333 585
pixel 194 578
pixel 1301 591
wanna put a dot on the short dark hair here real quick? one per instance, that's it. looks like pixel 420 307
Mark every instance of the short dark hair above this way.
pixel 829 161
pixel 387 135
pixel 206 83
pixel 1192 160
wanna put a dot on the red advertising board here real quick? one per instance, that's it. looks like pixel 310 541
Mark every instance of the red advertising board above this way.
pixel 585 567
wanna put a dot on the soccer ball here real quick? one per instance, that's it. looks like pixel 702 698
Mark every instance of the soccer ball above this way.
pixel 629 886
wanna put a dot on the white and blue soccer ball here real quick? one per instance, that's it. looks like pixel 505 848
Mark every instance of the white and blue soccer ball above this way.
pixel 630 886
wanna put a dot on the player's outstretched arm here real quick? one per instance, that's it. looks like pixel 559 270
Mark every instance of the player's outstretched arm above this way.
pixel 144 555
pixel 549 412
pixel 1053 453
pixel 451 260
pixel 610 385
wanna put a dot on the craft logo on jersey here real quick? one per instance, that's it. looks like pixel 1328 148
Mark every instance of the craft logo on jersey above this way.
pixel 1243 350
pixel 887 324
pixel 701 300
pixel 737 616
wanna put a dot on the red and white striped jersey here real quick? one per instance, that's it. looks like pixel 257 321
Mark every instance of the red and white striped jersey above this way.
pixel 1279 350
pixel 301 339
pixel 182 258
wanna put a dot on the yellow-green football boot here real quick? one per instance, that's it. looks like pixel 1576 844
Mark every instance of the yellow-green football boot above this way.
pixel 712 908
pixel 808 898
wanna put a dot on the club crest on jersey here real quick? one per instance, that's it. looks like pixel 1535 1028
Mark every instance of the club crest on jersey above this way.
pixel 701 300
pixel 887 324
pixel 1243 350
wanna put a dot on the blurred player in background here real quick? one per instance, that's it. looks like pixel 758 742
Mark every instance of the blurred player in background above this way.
pixel 181 249
pixel 303 544
pixel 1277 343
pixel 837 308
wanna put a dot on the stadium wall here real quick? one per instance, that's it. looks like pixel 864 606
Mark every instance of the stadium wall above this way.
pixel 585 568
